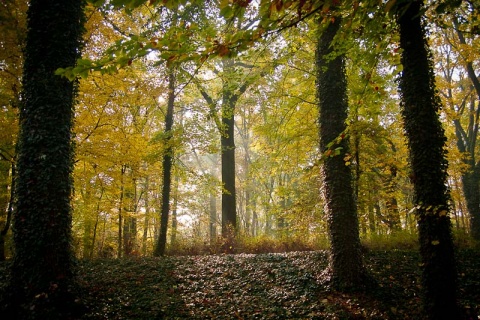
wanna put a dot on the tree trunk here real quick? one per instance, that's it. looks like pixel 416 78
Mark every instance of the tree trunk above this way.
pixel 213 218
pixel 254 218
pixel 248 183
pixel 42 271
pixel 95 227
pixel 130 221
pixel 231 92
pixel 248 211
pixel 173 236
pixel 426 141
pixel 5 182
pixel 120 212
pixel 461 210
pixel 167 167
pixel 281 223
pixel 146 221
pixel 471 190
pixel 371 219
pixel 129 230
pixel 86 208
pixel 229 210
pixel 129 235
pixel 8 218
pixel 345 259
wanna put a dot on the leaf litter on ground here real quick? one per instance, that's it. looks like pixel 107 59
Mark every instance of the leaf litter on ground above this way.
pixel 259 286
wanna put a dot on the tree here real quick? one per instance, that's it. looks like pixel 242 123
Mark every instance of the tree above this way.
pixel 167 166
pixel 426 141
pixel 42 270
pixel 340 207
pixel 236 78
pixel 168 152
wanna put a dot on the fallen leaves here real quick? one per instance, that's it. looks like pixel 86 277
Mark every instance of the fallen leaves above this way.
pixel 263 286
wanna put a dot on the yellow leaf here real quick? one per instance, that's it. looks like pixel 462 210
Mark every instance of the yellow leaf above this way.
pixel 443 213
pixel 435 242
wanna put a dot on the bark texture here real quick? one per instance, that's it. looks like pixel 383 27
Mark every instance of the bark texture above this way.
pixel 42 271
pixel 426 141
pixel 338 192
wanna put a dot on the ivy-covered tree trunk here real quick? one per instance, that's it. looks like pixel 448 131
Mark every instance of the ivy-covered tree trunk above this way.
pixel 42 274
pixel 167 167
pixel 426 141
pixel 340 207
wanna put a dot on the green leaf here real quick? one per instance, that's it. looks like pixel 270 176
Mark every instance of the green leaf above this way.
pixel 83 73
pixel 226 12
pixel 60 72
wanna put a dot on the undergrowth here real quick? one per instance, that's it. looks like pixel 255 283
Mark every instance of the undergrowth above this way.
pixel 260 244
pixel 400 240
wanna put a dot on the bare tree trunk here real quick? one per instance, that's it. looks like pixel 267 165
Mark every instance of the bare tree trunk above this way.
pixel 213 218
pixel 254 218
pixel 120 211
pixel 130 220
pixel 146 223
pixel 229 210
pixel 94 238
pixel 173 236
pixel 8 220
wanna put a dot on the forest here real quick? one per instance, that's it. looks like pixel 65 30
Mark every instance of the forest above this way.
pixel 239 159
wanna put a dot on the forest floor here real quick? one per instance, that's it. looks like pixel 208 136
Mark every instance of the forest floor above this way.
pixel 259 286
